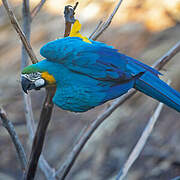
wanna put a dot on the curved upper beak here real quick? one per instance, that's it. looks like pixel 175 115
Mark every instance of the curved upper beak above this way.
pixel 27 84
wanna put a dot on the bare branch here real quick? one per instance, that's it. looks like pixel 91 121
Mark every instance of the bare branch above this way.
pixel 29 116
pixel 107 23
pixel 28 110
pixel 44 166
pixel 46 111
pixel 65 168
pixel 40 135
pixel 15 139
pixel 36 10
pixel 170 54
pixel 26 31
pixel 141 143
pixel 20 32
pixel 96 29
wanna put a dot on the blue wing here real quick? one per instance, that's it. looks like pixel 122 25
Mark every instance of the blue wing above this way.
pixel 102 62
pixel 95 59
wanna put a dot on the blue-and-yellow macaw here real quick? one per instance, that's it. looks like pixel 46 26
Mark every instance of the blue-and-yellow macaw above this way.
pixel 89 73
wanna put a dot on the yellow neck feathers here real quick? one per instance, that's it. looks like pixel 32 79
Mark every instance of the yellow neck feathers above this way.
pixel 49 78
pixel 75 32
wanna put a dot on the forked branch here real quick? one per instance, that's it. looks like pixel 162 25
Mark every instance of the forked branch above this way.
pixel 107 23
pixel 36 10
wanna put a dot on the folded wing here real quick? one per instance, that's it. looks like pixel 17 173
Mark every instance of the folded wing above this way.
pixel 95 59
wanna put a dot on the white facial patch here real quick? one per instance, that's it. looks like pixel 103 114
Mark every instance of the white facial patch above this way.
pixel 39 82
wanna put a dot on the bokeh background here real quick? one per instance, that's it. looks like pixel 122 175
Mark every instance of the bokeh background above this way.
pixel 144 29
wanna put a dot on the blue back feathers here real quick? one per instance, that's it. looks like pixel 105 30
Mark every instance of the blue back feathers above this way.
pixel 89 74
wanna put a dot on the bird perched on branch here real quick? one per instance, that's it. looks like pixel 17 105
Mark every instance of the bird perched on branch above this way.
pixel 89 73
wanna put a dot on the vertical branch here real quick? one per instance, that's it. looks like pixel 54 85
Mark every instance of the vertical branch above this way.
pixel 24 62
pixel 15 139
pixel 46 111
pixel 27 101
pixel 40 135
pixel 27 18
pixel 48 171
pixel 26 30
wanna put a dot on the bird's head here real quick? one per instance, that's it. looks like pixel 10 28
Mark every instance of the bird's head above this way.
pixel 34 78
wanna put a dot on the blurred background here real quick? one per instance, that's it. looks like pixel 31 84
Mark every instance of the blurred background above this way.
pixel 143 29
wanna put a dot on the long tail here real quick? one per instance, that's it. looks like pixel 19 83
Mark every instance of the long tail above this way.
pixel 152 86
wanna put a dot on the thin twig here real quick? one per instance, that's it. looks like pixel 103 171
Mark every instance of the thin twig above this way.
pixel 141 143
pixel 75 6
pixel 164 59
pixel 18 29
pixel 65 168
pixel 36 10
pixel 108 22
pixel 15 139
pixel 96 29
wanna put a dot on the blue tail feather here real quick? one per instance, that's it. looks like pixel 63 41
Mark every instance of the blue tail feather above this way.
pixel 152 86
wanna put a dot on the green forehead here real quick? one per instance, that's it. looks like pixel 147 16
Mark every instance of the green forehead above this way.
pixel 30 69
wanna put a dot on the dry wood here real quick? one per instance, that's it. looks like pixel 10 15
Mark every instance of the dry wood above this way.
pixel 107 23
pixel 37 9
pixel 19 31
pixel 42 127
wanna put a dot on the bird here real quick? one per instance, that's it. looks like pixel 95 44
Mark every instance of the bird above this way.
pixel 89 73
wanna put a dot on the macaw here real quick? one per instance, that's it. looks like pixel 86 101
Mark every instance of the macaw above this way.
pixel 88 73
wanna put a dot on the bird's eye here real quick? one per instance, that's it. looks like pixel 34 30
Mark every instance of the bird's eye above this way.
pixel 35 75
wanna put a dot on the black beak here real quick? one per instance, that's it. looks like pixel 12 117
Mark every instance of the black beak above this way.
pixel 27 84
